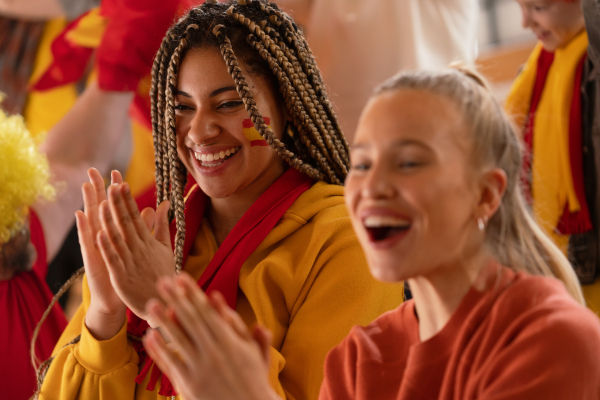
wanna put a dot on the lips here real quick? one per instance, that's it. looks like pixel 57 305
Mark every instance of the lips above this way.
pixel 543 35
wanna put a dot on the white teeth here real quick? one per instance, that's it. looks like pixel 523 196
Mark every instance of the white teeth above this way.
pixel 215 156
pixel 378 221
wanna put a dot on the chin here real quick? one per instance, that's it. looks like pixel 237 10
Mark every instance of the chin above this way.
pixel 215 187
pixel 551 44
pixel 385 270
pixel 215 192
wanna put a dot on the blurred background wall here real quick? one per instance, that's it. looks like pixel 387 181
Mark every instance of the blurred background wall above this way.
pixel 503 43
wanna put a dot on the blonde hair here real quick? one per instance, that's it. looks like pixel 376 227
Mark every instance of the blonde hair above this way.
pixel 24 175
pixel 268 43
pixel 512 235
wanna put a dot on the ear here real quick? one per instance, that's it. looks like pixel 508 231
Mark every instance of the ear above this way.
pixel 492 188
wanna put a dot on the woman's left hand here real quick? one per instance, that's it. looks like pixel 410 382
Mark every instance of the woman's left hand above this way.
pixel 211 353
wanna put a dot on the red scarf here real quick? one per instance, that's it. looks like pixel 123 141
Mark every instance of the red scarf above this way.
pixel 222 273
pixel 570 222
pixel 23 300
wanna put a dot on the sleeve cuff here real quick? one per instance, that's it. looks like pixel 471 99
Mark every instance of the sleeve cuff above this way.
pixel 104 356
pixel 117 79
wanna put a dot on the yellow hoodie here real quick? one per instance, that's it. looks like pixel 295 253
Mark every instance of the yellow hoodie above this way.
pixel 308 282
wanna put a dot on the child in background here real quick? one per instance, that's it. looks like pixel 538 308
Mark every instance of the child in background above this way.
pixel 553 103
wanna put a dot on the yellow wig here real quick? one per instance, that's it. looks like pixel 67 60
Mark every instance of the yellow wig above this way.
pixel 24 175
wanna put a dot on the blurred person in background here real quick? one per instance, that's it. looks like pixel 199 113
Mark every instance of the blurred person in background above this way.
pixel 47 69
pixel 86 133
pixel 555 101
pixel 24 295
pixel 358 44
pixel 55 172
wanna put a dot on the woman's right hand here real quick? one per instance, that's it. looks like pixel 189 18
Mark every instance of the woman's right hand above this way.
pixel 211 353
pixel 107 312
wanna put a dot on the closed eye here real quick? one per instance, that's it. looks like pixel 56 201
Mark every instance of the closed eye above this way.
pixel 409 164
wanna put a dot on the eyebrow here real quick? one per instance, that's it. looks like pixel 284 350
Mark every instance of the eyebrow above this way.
pixel 214 93
pixel 395 143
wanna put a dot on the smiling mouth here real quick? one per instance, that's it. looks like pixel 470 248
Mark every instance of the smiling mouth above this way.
pixel 215 159
pixel 384 227
pixel 542 35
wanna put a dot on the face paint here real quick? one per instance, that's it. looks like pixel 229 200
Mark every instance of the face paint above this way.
pixel 253 136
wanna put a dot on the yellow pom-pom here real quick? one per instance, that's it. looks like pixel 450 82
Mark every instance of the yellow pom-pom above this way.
pixel 24 175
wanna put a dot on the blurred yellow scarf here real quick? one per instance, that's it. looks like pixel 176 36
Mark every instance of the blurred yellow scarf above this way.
pixel 552 183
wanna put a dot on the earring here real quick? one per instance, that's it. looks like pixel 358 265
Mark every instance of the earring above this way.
pixel 481 221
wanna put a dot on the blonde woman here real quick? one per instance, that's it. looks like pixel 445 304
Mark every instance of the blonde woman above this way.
pixel 433 194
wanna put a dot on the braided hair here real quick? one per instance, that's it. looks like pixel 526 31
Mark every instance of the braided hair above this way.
pixel 268 43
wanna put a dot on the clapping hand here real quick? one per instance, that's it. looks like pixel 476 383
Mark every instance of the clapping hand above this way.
pixel 136 247
pixel 106 313
pixel 210 353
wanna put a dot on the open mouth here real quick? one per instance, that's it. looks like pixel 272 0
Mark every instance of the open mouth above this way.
pixel 380 228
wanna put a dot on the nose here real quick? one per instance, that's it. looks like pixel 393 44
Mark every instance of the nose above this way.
pixel 378 183
pixel 203 128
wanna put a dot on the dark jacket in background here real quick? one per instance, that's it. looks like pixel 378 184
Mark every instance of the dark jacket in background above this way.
pixel 584 249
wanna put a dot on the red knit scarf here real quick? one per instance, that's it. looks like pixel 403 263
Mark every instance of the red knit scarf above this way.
pixel 222 273
pixel 570 222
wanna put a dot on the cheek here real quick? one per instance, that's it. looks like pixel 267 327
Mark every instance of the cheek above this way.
pixel 557 25
pixel 350 187
pixel 252 135
pixel 446 204
pixel 182 149
pixel 352 190
pixel 184 154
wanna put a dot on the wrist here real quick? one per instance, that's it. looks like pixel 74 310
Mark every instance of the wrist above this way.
pixel 104 325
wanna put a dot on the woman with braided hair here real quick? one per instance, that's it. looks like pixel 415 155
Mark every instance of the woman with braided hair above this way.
pixel 249 165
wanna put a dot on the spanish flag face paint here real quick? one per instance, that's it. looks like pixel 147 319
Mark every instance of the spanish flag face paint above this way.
pixel 253 136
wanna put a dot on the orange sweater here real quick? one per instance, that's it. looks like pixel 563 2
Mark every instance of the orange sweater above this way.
pixel 523 339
